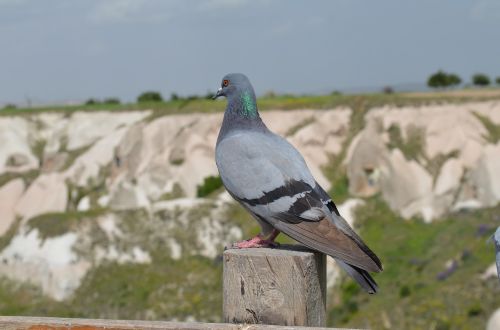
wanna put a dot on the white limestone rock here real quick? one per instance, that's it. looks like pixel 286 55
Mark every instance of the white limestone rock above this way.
pixel 367 157
pixel 51 264
pixel 9 196
pixel 48 193
pixel 15 151
pixel 485 176
pixel 85 128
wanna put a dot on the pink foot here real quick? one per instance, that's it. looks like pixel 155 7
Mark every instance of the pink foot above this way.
pixel 256 242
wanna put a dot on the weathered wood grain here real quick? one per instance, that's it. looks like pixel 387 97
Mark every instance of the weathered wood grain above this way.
pixel 284 286
pixel 52 323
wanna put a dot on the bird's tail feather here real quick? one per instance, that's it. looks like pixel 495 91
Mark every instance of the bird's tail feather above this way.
pixel 361 276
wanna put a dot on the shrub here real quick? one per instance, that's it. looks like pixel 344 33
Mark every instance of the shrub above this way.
pixel 270 94
pixel 193 97
pixel 10 106
pixel 112 100
pixel 474 310
pixel 480 79
pixel 404 291
pixel 498 80
pixel 388 90
pixel 209 95
pixel 149 96
pixel 92 101
pixel 209 185
pixel 174 97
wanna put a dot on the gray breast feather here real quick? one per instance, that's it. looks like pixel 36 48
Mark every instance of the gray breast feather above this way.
pixel 252 163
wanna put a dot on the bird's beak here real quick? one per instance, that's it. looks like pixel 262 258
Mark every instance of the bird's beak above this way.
pixel 219 93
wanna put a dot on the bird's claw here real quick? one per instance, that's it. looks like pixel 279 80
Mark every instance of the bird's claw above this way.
pixel 256 242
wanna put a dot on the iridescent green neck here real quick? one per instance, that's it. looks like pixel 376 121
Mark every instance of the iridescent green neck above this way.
pixel 249 108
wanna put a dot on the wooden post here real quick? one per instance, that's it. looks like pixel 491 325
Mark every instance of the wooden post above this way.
pixel 283 286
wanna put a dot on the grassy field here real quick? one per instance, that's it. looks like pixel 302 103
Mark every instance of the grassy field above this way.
pixel 416 292
pixel 283 102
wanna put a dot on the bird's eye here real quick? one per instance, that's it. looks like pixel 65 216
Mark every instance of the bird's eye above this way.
pixel 225 82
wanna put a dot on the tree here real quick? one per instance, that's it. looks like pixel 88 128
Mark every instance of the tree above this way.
pixel 442 79
pixel 438 79
pixel 480 79
pixel 454 80
pixel 498 80
pixel 149 96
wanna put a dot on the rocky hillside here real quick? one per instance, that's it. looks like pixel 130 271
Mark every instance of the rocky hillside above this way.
pixel 103 204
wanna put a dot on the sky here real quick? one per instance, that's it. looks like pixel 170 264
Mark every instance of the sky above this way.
pixel 55 51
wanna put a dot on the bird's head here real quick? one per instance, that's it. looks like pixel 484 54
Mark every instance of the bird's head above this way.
pixel 233 84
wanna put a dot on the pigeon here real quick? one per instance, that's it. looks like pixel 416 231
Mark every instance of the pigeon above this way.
pixel 496 240
pixel 271 180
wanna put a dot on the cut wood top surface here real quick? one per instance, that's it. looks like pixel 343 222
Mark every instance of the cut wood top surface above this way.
pixel 288 249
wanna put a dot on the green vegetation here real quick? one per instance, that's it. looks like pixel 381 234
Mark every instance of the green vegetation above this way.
pixel 413 146
pixel 209 185
pixel 73 155
pixel 492 128
pixel 480 79
pixel 109 100
pixel 57 224
pixel 280 102
pixel 177 161
pixel 334 170
pixel 38 149
pixel 497 80
pixel 147 97
pixel 9 176
pixel 165 289
pixel 28 177
pixel 177 192
pixel 435 163
pixel 94 189
pixel 337 175
pixel 414 253
pixel 9 106
pixel 442 79
pixel 24 299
